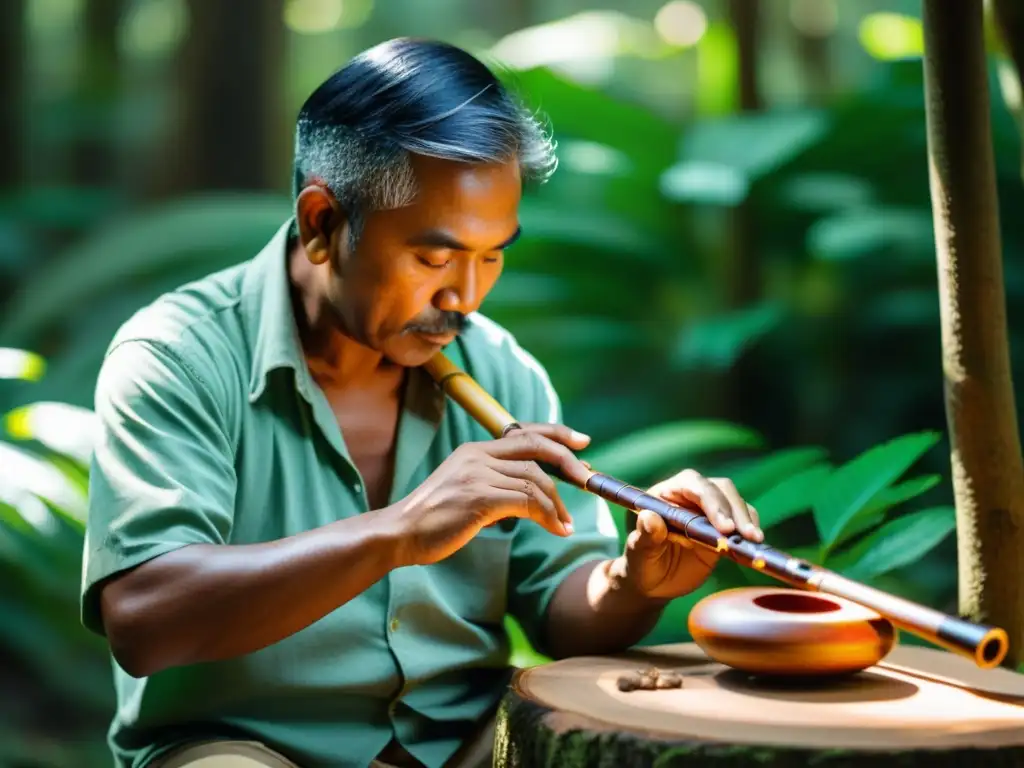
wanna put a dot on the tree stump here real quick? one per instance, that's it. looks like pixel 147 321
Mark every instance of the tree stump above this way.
pixel 917 707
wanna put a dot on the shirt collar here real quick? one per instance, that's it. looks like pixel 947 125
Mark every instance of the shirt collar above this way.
pixel 270 319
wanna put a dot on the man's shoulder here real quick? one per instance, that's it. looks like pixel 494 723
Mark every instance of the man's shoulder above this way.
pixel 494 357
pixel 198 323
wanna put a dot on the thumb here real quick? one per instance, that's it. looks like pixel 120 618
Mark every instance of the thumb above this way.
pixel 651 532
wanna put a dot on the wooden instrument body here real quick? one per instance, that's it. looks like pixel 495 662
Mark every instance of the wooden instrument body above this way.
pixel 917 707
pixel 783 632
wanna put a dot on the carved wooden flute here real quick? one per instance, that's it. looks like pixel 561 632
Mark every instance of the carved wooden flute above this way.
pixel 986 645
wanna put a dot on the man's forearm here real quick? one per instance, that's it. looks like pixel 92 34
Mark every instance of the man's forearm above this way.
pixel 597 610
pixel 205 602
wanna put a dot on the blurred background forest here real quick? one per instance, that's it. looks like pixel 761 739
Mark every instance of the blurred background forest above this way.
pixel 734 268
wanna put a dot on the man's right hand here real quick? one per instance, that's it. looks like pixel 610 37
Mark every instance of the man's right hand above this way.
pixel 482 483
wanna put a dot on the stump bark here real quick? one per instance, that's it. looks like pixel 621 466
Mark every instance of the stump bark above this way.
pixel 918 707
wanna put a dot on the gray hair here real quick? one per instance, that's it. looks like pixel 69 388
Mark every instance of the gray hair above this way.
pixel 356 134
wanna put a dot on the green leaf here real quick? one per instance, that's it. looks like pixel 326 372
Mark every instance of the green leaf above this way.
pixel 714 342
pixel 895 544
pixel 188 238
pixel 19 364
pixel 865 231
pixel 722 158
pixel 600 230
pixel 791 497
pixel 873 512
pixel 24 472
pixel 855 484
pixel 63 428
pixel 756 477
pixel 650 450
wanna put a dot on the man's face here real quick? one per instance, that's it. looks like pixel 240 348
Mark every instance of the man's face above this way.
pixel 418 270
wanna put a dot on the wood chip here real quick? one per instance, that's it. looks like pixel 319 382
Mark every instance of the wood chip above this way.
pixel 649 679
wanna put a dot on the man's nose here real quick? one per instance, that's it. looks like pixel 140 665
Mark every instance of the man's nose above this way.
pixel 461 293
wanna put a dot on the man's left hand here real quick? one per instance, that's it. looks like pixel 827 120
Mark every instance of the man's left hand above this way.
pixel 664 568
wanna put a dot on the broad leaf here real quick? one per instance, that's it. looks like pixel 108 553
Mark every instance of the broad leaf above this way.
pixel 187 238
pixel 63 428
pixel 855 484
pixel 721 158
pixel 873 513
pixel 23 472
pixel 19 364
pixel 865 231
pixel 791 497
pixel 895 544
pixel 755 477
pixel 647 451
pixel 715 342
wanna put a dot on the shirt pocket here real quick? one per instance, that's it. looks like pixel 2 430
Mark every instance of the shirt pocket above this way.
pixel 476 577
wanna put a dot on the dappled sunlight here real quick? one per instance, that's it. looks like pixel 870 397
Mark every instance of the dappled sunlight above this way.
pixel 311 17
pixel 890 36
pixel 22 472
pixel 63 428
pixel 19 364
pixel 681 22
pixel 582 46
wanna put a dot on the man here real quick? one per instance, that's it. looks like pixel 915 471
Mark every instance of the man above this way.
pixel 299 552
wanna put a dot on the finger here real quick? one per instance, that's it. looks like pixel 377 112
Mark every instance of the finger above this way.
pixel 528 470
pixel 740 511
pixel 690 485
pixel 652 528
pixel 560 433
pixel 534 446
pixel 754 516
pixel 521 497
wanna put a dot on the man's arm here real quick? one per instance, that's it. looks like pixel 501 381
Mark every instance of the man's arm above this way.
pixel 206 602
pixel 161 580
pixel 597 609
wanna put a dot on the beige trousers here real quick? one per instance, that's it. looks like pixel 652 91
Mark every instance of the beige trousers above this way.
pixel 478 752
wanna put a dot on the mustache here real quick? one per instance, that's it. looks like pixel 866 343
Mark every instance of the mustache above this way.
pixel 444 322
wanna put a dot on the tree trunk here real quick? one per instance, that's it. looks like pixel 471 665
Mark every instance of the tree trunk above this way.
pixel 94 154
pixel 232 134
pixel 12 92
pixel 742 268
pixel 988 472
pixel 919 707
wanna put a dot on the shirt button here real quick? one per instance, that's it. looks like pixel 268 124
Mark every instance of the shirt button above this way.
pixel 358 487
pixel 394 625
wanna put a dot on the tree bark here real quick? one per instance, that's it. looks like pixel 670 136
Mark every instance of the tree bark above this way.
pixel 988 472
pixel 94 154
pixel 232 136
pixel 742 274
pixel 566 714
pixel 12 92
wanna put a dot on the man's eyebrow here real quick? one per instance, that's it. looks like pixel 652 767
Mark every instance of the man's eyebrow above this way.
pixel 438 238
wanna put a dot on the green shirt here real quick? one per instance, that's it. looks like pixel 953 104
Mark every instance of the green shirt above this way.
pixel 213 432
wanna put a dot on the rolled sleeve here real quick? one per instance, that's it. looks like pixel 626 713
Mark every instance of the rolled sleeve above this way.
pixel 541 561
pixel 162 473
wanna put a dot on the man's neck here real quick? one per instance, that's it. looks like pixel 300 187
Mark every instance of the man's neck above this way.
pixel 334 358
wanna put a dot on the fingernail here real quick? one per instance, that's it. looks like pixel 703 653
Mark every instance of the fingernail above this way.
pixel 568 528
pixel 580 436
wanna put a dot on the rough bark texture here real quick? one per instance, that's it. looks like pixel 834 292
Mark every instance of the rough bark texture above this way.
pixel 988 473
pixel 530 735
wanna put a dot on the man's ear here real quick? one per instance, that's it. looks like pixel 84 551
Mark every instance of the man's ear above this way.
pixel 317 214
